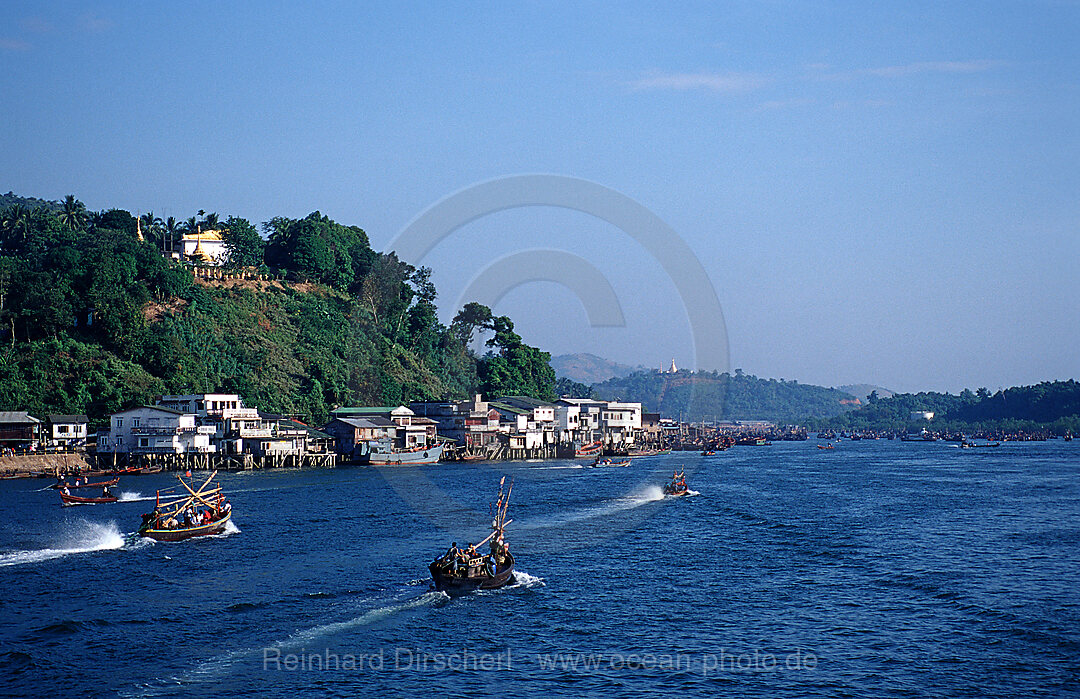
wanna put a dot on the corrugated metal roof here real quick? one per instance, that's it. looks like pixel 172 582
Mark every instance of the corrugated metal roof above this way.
pixel 367 422
pixel 68 418
pixel 20 416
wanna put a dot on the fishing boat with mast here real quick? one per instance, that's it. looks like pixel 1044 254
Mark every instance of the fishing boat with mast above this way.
pixel 185 515
pixel 676 487
pixel 459 571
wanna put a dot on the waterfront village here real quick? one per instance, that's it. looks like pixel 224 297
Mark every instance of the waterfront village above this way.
pixel 217 430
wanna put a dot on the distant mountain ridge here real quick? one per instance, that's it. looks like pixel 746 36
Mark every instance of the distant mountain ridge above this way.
pixel 706 395
pixel 589 369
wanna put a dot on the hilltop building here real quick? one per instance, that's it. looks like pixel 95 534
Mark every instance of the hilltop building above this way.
pixel 204 247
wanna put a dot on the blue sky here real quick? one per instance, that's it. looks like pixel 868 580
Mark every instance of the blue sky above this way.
pixel 880 192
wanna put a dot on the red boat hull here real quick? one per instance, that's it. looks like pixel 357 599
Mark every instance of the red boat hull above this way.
pixel 76 500
pixel 101 484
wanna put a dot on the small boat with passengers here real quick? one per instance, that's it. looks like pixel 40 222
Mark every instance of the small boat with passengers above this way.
pixel 187 515
pixel 60 484
pixel 107 496
pixel 676 487
pixel 462 570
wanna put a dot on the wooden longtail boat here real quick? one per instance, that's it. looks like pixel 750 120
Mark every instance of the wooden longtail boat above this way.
pixel 677 486
pixel 100 484
pixel 69 499
pixel 609 462
pixel 460 571
pixel 165 523
pixel 587 450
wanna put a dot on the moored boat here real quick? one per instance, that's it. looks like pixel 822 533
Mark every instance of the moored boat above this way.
pixel 676 487
pixel 582 451
pixel 383 454
pixel 199 512
pixel 459 571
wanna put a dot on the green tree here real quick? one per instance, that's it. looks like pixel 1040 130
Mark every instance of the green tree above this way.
pixel 74 216
pixel 243 242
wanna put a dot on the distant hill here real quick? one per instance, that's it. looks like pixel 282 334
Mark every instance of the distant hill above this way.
pixel 710 395
pixel 588 368
pixel 862 391
pixel 1050 405
pixel 11 199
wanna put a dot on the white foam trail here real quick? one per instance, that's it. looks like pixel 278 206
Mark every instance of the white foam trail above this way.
pixel 365 619
pixel 126 496
pixel 523 579
pixel 89 536
pixel 649 493
pixel 211 669
pixel 643 496
pixel 691 493
pixel 230 529
pixel 556 468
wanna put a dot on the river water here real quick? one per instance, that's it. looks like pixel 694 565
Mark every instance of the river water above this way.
pixel 878 569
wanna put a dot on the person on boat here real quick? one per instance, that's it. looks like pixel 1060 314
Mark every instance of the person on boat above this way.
pixel 64 489
pixel 105 492
pixel 449 560
pixel 226 508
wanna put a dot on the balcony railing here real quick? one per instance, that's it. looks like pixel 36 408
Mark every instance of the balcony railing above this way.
pixel 158 430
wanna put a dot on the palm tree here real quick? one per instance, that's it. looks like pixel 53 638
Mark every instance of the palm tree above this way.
pixel 172 231
pixel 151 226
pixel 15 225
pixel 211 221
pixel 74 215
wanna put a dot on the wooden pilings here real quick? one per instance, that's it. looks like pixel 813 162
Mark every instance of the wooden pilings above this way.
pixel 199 461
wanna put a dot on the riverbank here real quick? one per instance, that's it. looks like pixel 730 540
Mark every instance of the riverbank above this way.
pixel 30 465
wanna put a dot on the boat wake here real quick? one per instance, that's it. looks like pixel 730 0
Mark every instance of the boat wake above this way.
pixel 126 496
pixel 84 537
pixel 211 670
pixel 557 468
pixel 523 579
pixel 642 496
pixel 230 529
pixel 301 638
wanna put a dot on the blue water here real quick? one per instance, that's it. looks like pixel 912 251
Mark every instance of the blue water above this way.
pixel 879 569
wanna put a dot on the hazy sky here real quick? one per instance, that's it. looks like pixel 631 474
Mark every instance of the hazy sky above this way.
pixel 880 192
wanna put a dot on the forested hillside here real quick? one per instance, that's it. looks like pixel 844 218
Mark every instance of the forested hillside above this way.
pixel 1050 404
pixel 94 319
